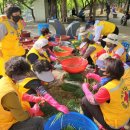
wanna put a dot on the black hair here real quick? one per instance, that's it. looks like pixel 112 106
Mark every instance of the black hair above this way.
pixel 42 65
pixel 114 67
pixel 44 31
pixel 17 66
pixel 12 10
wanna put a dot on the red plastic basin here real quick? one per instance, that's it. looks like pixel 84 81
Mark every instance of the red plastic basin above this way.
pixel 74 64
pixel 63 38
pixel 25 34
pixel 26 41
pixel 68 51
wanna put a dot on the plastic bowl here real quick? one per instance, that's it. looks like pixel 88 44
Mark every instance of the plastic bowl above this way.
pixel 77 120
pixel 68 51
pixel 65 38
pixel 74 64
pixel 62 38
pixel 25 34
pixel 51 43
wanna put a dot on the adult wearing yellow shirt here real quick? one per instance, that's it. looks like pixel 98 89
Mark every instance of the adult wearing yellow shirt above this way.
pixel 10 31
pixel 103 28
pixel 12 114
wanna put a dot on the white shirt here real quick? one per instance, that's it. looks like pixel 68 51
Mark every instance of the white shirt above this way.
pixel 98 30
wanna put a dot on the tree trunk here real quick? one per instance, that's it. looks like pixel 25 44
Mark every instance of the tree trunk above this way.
pixel 102 8
pixel 53 8
pixel 82 3
pixel 94 8
pixel 128 6
pixel 76 6
pixel 64 10
pixel 32 12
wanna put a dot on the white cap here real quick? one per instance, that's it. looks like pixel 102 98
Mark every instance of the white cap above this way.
pixel 46 76
pixel 112 38
pixel 40 43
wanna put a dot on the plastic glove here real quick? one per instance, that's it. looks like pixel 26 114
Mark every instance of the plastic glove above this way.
pixel 63 109
pixel 95 87
pixel 93 76
pixel 87 93
pixel 48 98
pixel 53 58
pixel 35 111
pixel 30 98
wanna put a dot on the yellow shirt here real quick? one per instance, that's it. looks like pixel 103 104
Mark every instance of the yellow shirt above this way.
pixel 116 113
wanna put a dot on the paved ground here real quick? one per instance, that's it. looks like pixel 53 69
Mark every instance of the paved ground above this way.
pixel 124 30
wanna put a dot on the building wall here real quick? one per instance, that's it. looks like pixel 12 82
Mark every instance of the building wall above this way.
pixel 41 10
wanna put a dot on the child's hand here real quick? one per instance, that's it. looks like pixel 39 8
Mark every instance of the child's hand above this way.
pixel 35 111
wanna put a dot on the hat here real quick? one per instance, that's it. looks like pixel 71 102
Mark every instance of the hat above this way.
pixel 112 38
pixel 100 63
pixel 40 43
pixel 46 76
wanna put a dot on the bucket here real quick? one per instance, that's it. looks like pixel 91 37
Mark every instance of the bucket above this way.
pixel 77 120
pixel 41 26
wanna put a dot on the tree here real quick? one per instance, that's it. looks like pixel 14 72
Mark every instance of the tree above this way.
pixel 21 3
pixel 76 6
pixel 64 10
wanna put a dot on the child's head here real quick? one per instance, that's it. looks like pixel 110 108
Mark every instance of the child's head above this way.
pixel 112 68
pixel 45 31
pixel 17 67
pixel 42 69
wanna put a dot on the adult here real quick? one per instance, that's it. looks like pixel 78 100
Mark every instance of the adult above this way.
pixel 114 48
pixel 10 30
pixel 38 51
pixel 108 10
pixel 102 29
pixel 12 114
pixel 111 100
pixel 73 11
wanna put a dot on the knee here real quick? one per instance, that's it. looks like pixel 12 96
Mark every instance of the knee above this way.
pixel 38 121
pixel 84 102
